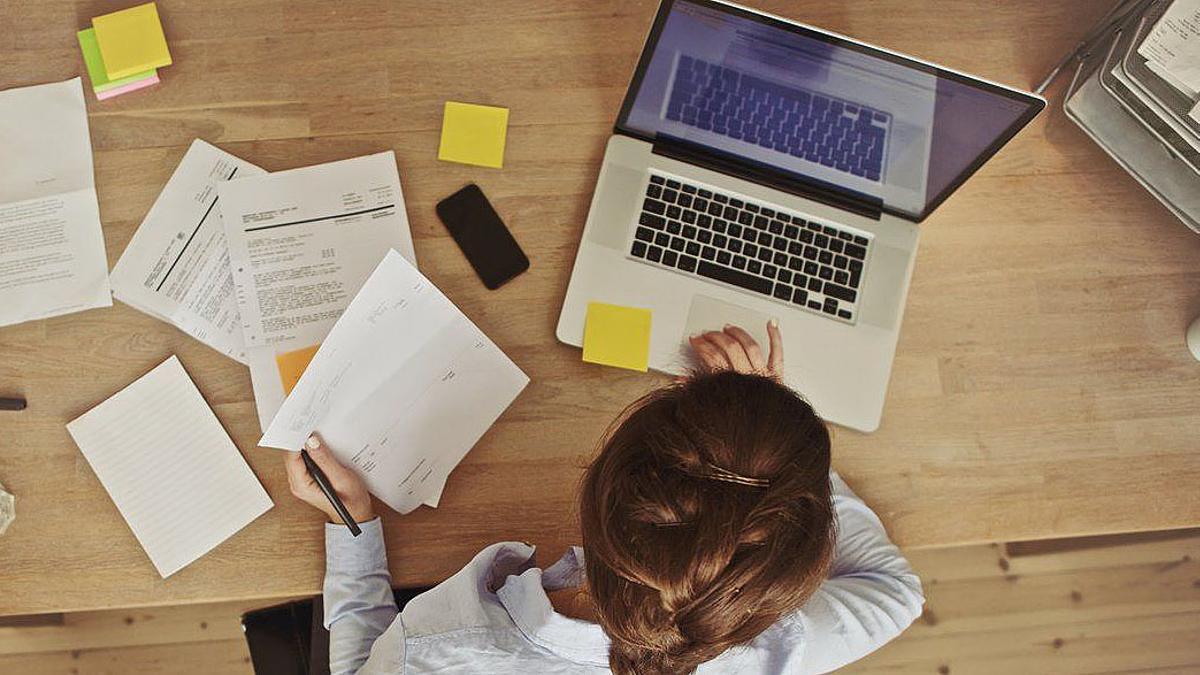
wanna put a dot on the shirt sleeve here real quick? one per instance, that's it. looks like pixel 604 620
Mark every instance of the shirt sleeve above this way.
pixel 872 594
pixel 359 605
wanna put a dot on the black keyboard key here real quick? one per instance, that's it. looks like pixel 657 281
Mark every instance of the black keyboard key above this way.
pixel 810 253
pixel 754 267
pixel 745 218
pixel 684 200
pixel 719 240
pixel 669 196
pixel 830 309
pixel 765 238
pixel 860 240
pixel 735 245
pixel 764 254
pixel 791 232
pixel 826 258
pixel 654 254
pixel 806 236
pixel 689 217
pixel 800 281
pixel 844 314
pixel 662 239
pixel 799 296
pixel 795 248
pixel 724 257
pixel 815 227
pixel 770 213
pixel 784 217
pixel 781 259
pixel 715 209
pixel 856 265
pixel 752 208
pixel 770 271
pixel 784 276
pixel 810 268
pixel 657 222
pixel 814 284
pixel 673 184
pixel 730 213
pixel 739 262
pixel 840 292
pixel 645 234
pixel 783 292
pixel 836 245
pixel 795 264
pixel 687 263
pixel 775 227
pixel 736 203
pixel 654 206
pixel 829 231
pixel 677 243
pixel 719 225
pixel 708 253
pixel 657 180
pixel 735 230
pixel 720 198
pixel 749 234
pixel 693 248
pixel 689 232
pixel 846 236
pixel 855 279
pixel 761 222
pixel 813 304
pixel 780 244
pixel 707 194
pixel 822 240
pixel 653 191
pixel 825 273
pixel 639 249
pixel 741 279
pixel 689 188
pixel 674 227
pixel 856 251
pixel 704 220
pixel 674 212
pixel 840 262
pixel 670 258
pixel 841 277
pixel 704 236
pixel 750 250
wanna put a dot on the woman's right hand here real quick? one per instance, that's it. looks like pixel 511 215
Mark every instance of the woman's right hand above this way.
pixel 734 349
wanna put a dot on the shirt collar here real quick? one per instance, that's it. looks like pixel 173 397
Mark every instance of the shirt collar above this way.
pixel 524 597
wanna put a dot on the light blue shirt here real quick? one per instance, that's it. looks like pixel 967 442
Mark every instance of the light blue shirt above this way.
pixel 494 616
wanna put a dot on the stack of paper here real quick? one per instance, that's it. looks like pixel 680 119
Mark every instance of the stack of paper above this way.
pixel 173 472
pixel 52 257
pixel 401 388
pixel 124 50
pixel 1172 49
pixel 176 267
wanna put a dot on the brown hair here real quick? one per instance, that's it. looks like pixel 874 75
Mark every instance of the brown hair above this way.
pixel 706 517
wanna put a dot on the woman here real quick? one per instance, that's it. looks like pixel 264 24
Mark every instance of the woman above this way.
pixel 715 540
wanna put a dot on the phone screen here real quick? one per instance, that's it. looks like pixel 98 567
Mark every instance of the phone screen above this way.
pixel 482 236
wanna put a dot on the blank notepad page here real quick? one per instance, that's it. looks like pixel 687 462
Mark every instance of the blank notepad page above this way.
pixel 173 472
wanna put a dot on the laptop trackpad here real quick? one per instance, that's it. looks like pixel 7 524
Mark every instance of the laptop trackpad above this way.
pixel 709 314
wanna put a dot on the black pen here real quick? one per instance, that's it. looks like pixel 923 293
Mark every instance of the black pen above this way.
pixel 323 482
pixel 12 404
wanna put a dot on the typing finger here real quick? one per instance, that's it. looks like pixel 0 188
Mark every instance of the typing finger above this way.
pixel 753 352
pixel 710 356
pixel 775 360
pixel 733 350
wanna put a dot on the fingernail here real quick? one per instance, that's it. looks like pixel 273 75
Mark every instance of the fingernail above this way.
pixel 727 326
pixel 774 323
pixel 312 443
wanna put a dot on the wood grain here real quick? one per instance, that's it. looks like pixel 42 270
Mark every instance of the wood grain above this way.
pixel 1041 387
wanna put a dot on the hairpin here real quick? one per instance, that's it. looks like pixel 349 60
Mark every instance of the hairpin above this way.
pixel 717 473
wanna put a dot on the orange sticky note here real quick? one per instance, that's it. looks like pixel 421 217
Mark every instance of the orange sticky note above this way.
pixel 291 365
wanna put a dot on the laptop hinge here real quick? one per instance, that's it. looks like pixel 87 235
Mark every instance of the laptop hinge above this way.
pixel 763 174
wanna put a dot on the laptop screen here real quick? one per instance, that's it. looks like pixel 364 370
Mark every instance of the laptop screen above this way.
pixel 892 131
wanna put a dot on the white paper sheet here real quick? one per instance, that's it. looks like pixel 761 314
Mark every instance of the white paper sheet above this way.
pixel 401 389
pixel 173 472
pixel 52 258
pixel 176 267
pixel 302 242
pixel 1174 44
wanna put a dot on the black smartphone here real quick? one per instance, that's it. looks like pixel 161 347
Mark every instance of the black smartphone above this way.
pixel 482 236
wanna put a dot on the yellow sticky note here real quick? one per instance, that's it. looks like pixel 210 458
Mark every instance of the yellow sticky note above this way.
pixel 292 364
pixel 131 41
pixel 617 336
pixel 473 134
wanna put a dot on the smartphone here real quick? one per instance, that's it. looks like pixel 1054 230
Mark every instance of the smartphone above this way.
pixel 482 236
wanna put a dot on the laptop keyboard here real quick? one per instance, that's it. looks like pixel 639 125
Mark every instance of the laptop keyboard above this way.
pixel 755 247
pixel 833 132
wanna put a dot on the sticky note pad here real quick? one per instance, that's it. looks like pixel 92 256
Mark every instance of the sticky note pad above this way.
pixel 131 41
pixel 291 365
pixel 473 134
pixel 617 336
pixel 97 72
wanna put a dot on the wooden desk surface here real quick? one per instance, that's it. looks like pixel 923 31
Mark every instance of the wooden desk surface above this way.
pixel 1042 387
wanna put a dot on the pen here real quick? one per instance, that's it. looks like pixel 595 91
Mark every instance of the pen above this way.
pixel 12 404
pixel 323 482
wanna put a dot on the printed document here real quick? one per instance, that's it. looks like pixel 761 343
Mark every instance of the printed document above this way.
pixel 52 258
pixel 401 388
pixel 173 472
pixel 301 243
pixel 1173 46
pixel 176 267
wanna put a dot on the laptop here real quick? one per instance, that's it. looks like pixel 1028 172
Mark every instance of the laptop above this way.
pixel 764 169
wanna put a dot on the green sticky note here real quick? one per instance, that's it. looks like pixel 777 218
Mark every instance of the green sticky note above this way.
pixel 95 64
pixel 473 134
pixel 617 336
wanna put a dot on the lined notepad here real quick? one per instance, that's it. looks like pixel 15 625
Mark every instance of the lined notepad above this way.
pixel 173 472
